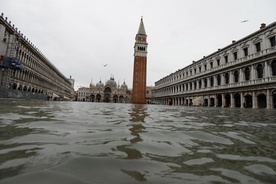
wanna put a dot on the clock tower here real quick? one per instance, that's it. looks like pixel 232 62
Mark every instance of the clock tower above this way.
pixel 140 66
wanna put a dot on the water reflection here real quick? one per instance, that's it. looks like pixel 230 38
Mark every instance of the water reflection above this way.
pixel 137 114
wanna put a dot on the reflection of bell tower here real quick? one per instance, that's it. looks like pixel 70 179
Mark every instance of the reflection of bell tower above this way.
pixel 140 66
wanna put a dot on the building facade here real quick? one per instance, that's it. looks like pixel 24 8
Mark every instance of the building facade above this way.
pixel 242 74
pixel 140 66
pixel 108 92
pixel 150 94
pixel 25 72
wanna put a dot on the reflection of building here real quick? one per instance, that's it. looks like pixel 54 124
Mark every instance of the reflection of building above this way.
pixel 242 74
pixel 25 72
pixel 108 92
pixel 140 66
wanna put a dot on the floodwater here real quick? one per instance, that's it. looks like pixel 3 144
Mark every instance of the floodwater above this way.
pixel 46 142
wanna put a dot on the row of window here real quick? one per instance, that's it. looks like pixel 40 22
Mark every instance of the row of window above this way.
pixel 141 48
pixel 218 62
pixel 225 77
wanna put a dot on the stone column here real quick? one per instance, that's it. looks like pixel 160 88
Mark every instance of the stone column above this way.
pixel 266 70
pixel 197 84
pixel 215 101
pixel 208 100
pixel 208 82
pixel 252 73
pixel 215 81
pixel 241 76
pixel 231 77
pixel 232 100
pixel 268 100
pixel 222 79
pixel 254 100
pixel 242 100
pixel 223 100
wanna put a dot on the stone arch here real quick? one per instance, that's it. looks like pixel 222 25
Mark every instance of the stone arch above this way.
pixel 107 90
pixel 219 79
pixel 227 100
pixel 236 76
pixel 237 100
pixel 212 101
pixel 212 81
pixel 199 84
pixel 248 101
pixel 260 71
pixel 219 100
pixel 226 76
pixel 205 82
pixel 98 97
pixel 115 98
pixel 107 97
pixel 121 99
pixel 247 73
pixel 25 88
pixel 92 97
pixel 261 99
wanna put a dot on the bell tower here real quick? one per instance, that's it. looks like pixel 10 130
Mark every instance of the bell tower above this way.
pixel 140 66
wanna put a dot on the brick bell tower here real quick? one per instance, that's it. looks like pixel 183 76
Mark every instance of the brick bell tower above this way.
pixel 140 66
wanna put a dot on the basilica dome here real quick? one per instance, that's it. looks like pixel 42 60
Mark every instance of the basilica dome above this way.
pixel 124 86
pixel 99 84
pixel 111 82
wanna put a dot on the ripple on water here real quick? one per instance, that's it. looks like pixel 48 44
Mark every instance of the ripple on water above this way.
pixel 74 142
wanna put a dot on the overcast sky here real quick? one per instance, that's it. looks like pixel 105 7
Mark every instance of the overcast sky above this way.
pixel 80 36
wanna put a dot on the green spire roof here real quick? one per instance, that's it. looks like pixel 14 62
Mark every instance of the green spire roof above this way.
pixel 141 29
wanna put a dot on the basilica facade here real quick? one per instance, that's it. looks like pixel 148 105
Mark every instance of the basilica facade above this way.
pixel 242 74
pixel 108 92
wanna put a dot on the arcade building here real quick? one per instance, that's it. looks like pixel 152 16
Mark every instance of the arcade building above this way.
pixel 242 75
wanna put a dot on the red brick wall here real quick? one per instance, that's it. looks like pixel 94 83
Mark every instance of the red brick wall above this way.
pixel 139 80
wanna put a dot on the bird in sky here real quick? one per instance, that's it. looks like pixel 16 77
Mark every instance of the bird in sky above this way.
pixel 105 65
pixel 244 21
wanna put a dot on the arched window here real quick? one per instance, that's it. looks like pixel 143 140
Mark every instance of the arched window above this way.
pixel 247 73
pixel 199 84
pixel 205 83
pixel 260 71
pixel 226 78
pixel 273 66
pixel 219 80
pixel 211 81
pixel 236 76
pixel 107 90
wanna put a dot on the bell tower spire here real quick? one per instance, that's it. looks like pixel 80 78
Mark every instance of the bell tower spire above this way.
pixel 140 66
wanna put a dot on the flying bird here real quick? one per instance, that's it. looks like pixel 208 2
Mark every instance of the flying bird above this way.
pixel 244 21
pixel 105 65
